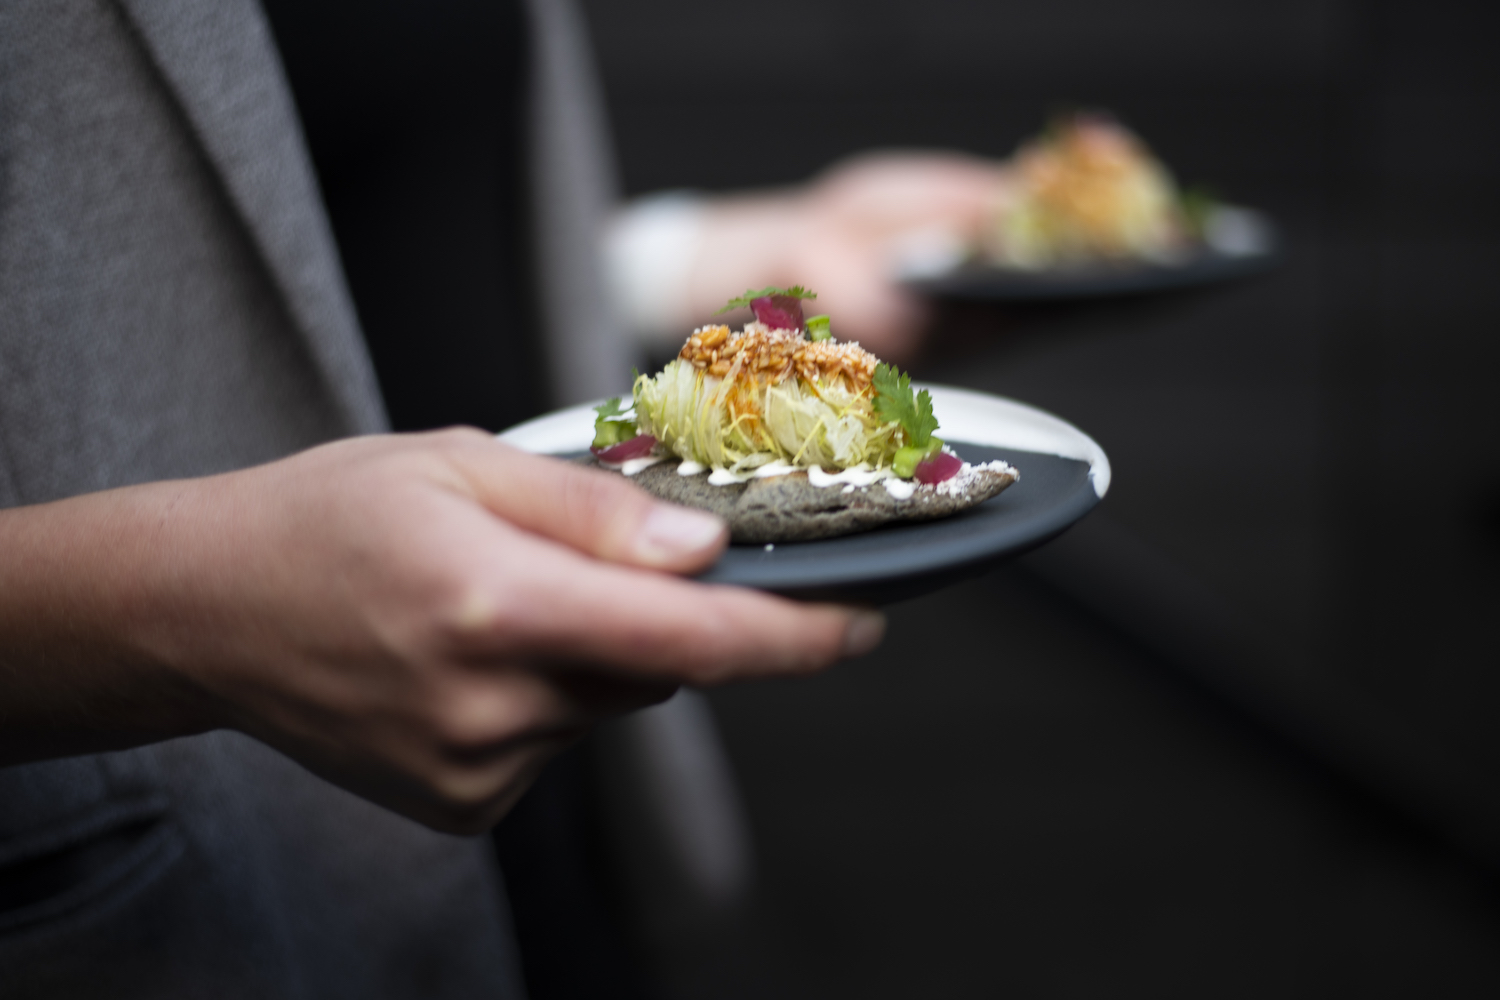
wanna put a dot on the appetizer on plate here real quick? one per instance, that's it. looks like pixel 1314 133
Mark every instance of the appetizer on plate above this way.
pixel 1089 190
pixel 788 433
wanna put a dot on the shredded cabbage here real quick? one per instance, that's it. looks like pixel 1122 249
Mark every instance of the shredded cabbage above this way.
pixel 740 425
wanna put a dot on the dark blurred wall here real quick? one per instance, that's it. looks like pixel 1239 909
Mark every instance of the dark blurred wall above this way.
pixel 1321 446
pixel 719 94
pixel 1314 453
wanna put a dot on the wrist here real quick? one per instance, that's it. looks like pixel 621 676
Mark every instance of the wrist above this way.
pixel 649 254
pixel 172 617
pixel 78 605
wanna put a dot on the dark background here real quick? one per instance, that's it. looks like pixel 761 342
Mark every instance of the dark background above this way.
pixel 1236 734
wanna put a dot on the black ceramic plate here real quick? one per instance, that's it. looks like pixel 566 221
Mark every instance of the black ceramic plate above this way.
pixel 1247 245
pixel 901 561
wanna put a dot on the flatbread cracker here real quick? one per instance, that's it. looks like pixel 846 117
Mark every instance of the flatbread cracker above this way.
pixel 790 509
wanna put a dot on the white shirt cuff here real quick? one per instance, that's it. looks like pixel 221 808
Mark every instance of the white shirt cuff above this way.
pixel 649 250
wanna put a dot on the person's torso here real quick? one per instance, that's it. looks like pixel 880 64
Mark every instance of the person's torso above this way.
pixel 166 310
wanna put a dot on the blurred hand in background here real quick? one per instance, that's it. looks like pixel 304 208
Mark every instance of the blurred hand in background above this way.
pixel 849 233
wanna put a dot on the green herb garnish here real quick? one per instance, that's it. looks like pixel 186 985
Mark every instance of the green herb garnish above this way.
pixel 611 408
pixel 609 431
pixel 819 328
pixel 895 401
pixel 795 292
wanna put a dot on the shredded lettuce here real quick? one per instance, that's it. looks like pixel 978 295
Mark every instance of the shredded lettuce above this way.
pixel 738 425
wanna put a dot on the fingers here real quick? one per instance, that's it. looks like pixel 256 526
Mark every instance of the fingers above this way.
pixel 463 798
pixel 652 625
pixel 459 760
pixel 893 191
pixel 496 707
pixel 596 512
pixel 501 728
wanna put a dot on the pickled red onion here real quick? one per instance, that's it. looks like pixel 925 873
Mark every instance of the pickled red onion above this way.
pixel 779 312
pixel 938 468
pixel 637 447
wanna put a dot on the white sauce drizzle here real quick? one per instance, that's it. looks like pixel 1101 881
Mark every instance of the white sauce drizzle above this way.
pixel 900 489
pixel 723 477
pixel 633 465
pixel 776 468
pixel 859 475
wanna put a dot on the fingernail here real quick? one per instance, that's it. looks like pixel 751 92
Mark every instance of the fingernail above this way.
pixel 865 631
pixel 671 531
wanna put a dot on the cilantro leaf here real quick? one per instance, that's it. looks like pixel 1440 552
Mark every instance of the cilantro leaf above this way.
pixel 894 400
pixel 795 292
pixel 609 408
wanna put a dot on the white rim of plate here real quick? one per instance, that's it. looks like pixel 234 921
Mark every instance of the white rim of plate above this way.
pixel 965 416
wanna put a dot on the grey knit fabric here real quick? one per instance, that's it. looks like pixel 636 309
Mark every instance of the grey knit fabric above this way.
pixel 171 305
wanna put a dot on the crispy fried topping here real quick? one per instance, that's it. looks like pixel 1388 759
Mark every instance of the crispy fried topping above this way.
pixel 772 356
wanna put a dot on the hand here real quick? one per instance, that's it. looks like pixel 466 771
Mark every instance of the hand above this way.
pixel 838 235
pixel 421 619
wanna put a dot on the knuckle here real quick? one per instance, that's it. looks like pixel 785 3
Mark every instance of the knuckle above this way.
pixel 591 499
pixel 477 614
pixel 468 718
pixel 453 445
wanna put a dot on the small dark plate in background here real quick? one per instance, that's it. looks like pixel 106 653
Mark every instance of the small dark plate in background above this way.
pixel 1245 244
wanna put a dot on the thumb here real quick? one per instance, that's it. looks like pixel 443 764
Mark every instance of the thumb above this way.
pixel 595 512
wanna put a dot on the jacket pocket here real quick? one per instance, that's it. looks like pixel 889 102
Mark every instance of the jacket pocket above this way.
pixel 84 865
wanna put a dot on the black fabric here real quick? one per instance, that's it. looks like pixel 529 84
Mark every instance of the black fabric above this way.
pixel 414 116
pixel 556 873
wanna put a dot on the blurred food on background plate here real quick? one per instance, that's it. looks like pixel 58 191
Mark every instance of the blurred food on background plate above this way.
pixel 1088 191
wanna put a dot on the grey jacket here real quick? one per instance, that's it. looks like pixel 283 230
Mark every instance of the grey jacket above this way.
pixel 171 304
